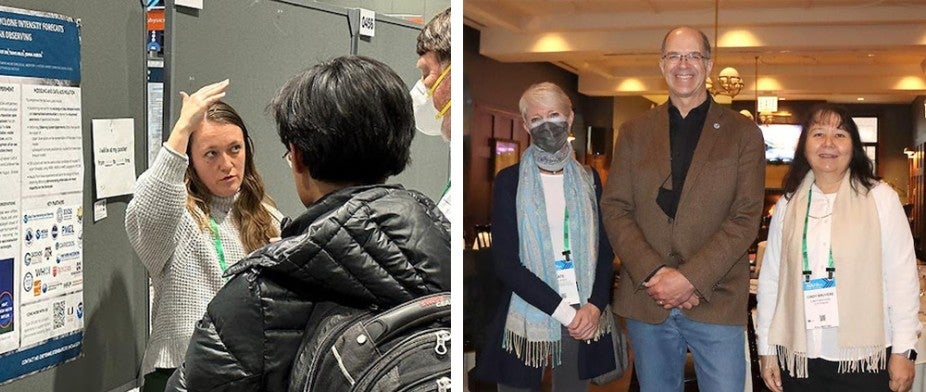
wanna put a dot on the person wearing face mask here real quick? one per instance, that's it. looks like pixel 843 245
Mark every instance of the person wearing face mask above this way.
pixel 199 209
pixel 431 93
pixel 552 259
pixel 682 206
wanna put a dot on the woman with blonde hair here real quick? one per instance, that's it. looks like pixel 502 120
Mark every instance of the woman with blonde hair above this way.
pixel 200 208
pixel 553 260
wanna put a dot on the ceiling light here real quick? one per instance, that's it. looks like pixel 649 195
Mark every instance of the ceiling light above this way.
pixel 728 80
pixel 860 99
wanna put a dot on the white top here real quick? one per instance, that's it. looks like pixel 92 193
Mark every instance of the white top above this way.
pixel 555 200
pixel 181 259
pixel 899 273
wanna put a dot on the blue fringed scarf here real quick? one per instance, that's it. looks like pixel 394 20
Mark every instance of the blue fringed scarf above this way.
pixel 531 334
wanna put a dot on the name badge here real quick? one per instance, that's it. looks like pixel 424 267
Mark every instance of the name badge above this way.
pixel 566 277
pixel 820 310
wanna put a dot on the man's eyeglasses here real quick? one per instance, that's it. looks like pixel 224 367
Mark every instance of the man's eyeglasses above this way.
pixel 673 57
pixel 288 159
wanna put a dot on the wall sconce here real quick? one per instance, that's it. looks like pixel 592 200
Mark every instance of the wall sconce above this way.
pixel 909 153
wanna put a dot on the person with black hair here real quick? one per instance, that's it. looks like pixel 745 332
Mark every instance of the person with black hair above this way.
pixel 347 125
pixel 839 236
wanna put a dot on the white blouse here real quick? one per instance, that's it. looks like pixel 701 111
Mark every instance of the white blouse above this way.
pixel 899 273
pixel 555 198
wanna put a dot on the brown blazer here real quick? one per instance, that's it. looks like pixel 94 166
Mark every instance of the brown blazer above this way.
pixel 718 213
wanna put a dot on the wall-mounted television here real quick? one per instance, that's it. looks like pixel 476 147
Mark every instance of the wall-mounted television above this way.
pixel 780 141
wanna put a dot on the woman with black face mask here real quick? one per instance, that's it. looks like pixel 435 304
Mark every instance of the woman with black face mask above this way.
pixel 553 260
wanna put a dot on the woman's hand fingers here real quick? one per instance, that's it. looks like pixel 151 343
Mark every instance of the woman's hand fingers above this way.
pixel 771 374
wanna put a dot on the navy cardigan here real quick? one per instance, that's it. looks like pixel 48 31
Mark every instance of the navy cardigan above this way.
pixel 493 363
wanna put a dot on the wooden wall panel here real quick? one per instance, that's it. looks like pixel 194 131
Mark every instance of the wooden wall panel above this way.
pixel 487 125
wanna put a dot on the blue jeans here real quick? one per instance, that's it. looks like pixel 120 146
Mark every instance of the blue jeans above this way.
pixel 659 354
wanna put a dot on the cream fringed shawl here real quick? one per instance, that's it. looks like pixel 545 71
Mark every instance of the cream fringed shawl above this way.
pixel 856 247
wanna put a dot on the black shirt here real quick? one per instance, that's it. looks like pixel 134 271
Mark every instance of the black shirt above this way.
pixel 684 133
pixel 683 138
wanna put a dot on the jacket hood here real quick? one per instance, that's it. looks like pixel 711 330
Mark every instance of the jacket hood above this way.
pixel 374 245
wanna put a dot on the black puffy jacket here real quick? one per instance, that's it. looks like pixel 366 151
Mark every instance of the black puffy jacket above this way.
pixel 360 246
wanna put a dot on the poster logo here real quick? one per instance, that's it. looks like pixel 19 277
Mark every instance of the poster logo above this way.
pixel 27 281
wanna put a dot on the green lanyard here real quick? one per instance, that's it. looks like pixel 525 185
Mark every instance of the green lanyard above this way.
pixel 218 244
pixel 566 251
pixel 831 269
pixel 446 189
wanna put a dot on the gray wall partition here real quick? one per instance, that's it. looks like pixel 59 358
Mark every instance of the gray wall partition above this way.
pixel 259 45
pixel 115 284
pixel 394 44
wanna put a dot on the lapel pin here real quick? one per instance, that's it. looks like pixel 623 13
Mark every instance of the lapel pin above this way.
pixel 716 125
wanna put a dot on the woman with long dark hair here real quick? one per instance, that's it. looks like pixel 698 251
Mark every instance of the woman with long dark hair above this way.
pixel 838 290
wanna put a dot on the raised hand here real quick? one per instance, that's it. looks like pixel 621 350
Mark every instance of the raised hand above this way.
pixel 193 113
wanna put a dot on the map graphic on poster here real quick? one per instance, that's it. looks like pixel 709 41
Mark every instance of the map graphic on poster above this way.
pixel 42 176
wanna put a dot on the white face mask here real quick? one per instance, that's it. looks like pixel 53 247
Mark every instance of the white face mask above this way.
pixel 426 119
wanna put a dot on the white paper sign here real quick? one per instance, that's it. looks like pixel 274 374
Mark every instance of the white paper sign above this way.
pixel 155 118
pixel 367 23
pixel 198 4
pixel 99 210
pixel 114 156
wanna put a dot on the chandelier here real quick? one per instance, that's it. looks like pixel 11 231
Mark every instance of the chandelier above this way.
pixel 729 81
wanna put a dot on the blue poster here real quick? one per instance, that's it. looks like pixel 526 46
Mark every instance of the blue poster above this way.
pixel 6 296
pixel 41 276
pixel 39 45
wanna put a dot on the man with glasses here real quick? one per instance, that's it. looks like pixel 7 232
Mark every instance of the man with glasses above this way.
pixel 431 94
pixel 681 207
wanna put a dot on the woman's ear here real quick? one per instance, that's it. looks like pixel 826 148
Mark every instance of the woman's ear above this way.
pixel 572 115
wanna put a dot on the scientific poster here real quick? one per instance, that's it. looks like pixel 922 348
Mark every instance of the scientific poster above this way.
pixel 42 172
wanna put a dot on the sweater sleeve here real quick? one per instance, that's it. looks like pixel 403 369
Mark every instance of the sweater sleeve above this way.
pixel 156 210
pixel 604 270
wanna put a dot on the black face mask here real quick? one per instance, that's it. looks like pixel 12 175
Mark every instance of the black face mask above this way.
pixel 550 135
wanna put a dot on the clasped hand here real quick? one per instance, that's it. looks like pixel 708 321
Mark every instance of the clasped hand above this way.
pixel 585 323
pixel 671 289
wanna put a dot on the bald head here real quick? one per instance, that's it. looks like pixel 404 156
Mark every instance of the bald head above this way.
pixel 684 30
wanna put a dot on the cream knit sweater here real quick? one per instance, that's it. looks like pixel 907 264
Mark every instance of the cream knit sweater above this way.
pixel 181 259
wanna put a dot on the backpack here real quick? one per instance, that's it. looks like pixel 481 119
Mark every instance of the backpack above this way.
pixel 405 348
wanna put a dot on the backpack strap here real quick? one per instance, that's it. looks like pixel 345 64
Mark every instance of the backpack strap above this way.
pixel 411 314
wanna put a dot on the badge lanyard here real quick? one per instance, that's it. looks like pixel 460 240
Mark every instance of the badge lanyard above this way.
pixel 218 244
pixel 566 251
pixel 565 269
pixel 446 189
pixel 831 268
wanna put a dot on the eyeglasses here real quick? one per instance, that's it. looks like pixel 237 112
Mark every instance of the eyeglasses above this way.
pixel 286 157
pixel 674 57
